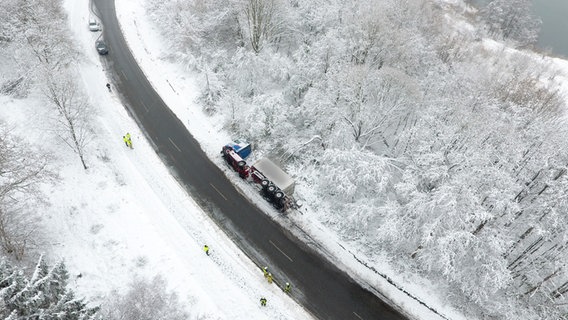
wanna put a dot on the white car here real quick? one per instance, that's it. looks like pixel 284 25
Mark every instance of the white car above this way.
pixel 94 25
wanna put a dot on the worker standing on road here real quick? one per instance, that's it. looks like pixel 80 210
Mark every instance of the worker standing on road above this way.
pixel 125 141
pixel 206 249
pixel 269 278
pixel 265 271
pixel 108 86
pixel 263 301
pixel 287 287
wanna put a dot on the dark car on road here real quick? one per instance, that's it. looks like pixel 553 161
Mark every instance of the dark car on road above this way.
pixel 101 47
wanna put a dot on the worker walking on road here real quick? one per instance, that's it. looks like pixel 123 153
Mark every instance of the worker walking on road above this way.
pixel 287 287
pixel 206 249
pixel 263 301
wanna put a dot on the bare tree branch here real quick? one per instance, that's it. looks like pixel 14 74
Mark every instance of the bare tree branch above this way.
pixel 73 113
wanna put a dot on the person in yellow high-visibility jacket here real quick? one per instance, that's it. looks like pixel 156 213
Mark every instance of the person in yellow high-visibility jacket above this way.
pixel 206 249
pixel 125 141
pixel 287 287
pixel 129 138
pixel 265 271
pixel 269 278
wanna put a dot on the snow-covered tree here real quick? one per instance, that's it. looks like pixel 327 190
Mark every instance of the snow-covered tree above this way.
pixel 72 112
pixel 43 296
pixel 260 22
pixel 513 19
pixel 22 169
pixel 145 300
pixel 33 33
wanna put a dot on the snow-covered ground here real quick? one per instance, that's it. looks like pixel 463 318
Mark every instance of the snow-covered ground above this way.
pixel 126 215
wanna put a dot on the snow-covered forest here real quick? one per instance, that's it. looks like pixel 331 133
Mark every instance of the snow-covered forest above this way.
pixel 424 141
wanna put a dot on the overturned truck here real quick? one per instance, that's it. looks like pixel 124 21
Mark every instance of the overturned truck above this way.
pixel 276 185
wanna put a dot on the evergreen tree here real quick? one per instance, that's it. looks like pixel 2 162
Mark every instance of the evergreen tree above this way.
pixel 43 296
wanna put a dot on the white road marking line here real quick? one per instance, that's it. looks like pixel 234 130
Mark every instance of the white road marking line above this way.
pixel 219 192
pixel 275 246
pixel 358 316
pixel 145 107
pixel 124 75
pixel 174 145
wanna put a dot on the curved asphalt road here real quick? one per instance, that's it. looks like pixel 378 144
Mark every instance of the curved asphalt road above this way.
pixel 318 285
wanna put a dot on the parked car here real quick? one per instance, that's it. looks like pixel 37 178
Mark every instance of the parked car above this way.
pixel 94 25
pixel 101 47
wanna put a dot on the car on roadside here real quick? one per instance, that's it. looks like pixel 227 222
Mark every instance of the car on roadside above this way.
pixel 94 25
pixel 101 47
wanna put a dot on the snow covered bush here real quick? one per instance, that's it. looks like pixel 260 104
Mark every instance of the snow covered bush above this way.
pixel 145 300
